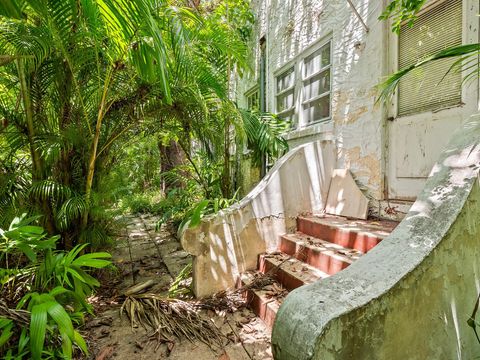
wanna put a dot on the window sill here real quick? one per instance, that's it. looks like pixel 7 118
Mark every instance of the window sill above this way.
pixel 325 128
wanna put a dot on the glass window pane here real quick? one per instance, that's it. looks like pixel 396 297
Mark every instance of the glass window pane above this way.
pixel 285 101
pixel 433 86
pixel 317 110
pixel 316 61
pixel 326 55
pixel 253 101
pixel 317 85
pixel 312 63
pixel 285 80
pixel 288 116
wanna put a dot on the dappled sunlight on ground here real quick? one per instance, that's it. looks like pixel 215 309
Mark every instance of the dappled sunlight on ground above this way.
pixel 142 255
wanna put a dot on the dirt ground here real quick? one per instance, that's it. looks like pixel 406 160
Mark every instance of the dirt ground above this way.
pixel 142 254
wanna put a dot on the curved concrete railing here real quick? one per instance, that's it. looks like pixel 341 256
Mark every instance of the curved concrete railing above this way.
pixel 228 243
pixel 411 296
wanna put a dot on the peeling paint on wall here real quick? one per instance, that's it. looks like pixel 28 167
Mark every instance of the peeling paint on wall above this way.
pixel 293 26
pixel 360 61
pixel 411 297
pixel 367 166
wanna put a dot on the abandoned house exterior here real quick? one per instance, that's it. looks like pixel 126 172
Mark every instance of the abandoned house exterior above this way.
pixel 408 168
pixel 318 64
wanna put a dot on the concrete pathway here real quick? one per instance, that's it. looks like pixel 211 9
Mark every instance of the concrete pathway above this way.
pixel 142 254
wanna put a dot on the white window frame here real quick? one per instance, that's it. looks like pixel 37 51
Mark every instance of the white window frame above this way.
pixel 278 73
pixel 328 67
pixel 298 66
pixel 249 93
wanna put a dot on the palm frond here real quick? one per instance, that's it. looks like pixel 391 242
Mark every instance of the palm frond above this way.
pixel 171 318
pixel 463 52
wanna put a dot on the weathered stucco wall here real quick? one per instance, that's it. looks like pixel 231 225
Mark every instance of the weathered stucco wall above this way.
pixel 228 243
pixel 380 153
pixel 358 62
pixel 411 296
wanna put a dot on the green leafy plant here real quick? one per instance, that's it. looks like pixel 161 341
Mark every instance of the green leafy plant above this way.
pixel 49 316
pixel 401 11
pixel 180 286
pixel 53 285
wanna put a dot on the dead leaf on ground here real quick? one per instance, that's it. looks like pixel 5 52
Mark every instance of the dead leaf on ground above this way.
pixel 224 356
pixel 275 291
pixel 170 346
pixel 248 329
pixel 105 353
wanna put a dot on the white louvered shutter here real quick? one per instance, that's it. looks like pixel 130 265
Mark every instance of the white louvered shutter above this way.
pixel 428 88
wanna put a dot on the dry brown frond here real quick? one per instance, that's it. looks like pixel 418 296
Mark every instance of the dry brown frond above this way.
pixel 21 317
pixel 171 318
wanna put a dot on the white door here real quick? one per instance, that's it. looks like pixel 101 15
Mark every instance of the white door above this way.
pixel 429 105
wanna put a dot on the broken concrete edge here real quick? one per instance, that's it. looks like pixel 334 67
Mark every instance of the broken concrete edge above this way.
pixel 345 197
pixel 364 311
pixel 229 242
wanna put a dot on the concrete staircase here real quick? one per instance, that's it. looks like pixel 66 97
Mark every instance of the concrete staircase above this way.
pixel 322 246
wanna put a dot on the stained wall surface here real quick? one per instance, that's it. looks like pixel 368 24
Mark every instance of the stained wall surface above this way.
pixel 411 296
pixel 362 56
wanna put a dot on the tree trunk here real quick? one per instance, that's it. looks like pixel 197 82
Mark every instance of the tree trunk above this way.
pixel 93 149
pixel 226 175
pixel 37 164
pixel 171 156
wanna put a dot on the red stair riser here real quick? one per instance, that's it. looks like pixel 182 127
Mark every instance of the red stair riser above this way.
pixel 261 309
pixel 345 238
pixel 289 281
pixel 317 259
pixel 287 246
pixel 259 306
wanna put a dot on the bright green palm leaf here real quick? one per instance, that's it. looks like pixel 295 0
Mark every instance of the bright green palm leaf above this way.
pixel 38 326
pixel 78 339
pixel 94 260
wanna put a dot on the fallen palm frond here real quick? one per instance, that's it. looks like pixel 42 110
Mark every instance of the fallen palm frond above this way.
pixel 21 317
pixel 171 318
pixel 229 301
pixel 221 302
pixel 139 287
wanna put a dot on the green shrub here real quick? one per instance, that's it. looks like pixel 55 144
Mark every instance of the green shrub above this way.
pixel 143 203
pixel 44 292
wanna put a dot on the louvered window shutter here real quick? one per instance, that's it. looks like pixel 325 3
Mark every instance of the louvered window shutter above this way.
pixel 428 88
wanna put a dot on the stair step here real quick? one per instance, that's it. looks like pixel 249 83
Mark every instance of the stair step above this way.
pixel 264 302
pixel 288 271
pixel 361 235
pixel 323 255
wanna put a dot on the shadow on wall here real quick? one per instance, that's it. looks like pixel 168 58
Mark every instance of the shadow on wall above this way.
pixel 228 243
pixel 411 296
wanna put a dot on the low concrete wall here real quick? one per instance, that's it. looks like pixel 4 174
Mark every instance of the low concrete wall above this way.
pixel 228 243
pixel 411 296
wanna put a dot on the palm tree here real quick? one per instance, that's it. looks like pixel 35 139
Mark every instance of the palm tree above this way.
pixel 78 78
pixel 74 74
